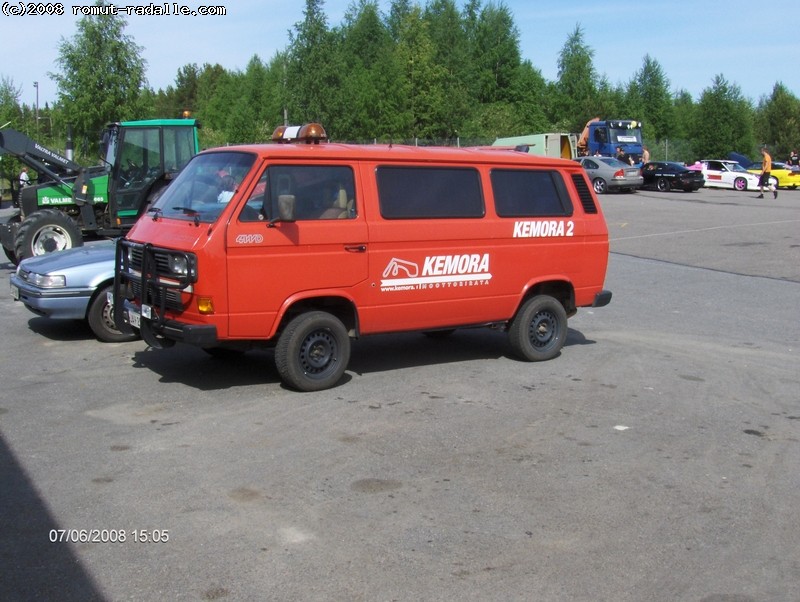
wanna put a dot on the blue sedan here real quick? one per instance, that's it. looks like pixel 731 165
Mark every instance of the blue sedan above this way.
pixel 72 285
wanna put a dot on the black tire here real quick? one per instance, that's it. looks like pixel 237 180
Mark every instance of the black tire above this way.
pixel 740 184
pixel 12 257
pixel 46 231
pixel 312 352
pixel 100 316
pixel 662 184
pixel 539 330
pixel 600 186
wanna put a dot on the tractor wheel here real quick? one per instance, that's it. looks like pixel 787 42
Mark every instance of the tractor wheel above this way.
pixel 46 231
pixel 12 257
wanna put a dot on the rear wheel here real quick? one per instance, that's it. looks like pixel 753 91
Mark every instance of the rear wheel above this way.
pixel 46 231
pixel 313 351
pixel 101 319
pixel 600 186
pixel 740 184
pixel 539 330
pixel 662 184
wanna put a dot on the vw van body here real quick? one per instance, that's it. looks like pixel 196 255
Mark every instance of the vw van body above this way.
pixel 318 243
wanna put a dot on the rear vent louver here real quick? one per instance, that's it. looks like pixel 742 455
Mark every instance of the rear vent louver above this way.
pixel 584 193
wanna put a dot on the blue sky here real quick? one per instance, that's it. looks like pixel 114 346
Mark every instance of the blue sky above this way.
pixel 692 41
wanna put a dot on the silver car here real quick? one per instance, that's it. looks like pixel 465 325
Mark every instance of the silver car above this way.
pixel 608 174
pixel 72 285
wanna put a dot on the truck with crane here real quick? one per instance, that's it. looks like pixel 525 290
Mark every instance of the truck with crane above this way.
pixel 140 158
pixel 599 137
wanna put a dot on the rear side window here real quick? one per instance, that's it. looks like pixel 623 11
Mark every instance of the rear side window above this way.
pixel 530 193
pixel 429 192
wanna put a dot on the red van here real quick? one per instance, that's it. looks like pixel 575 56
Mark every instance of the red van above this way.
pixel 304 246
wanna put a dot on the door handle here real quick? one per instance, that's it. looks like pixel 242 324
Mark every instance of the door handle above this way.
pixel 356 248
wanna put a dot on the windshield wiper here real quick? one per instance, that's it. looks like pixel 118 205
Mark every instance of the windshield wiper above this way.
pixel 156 211
pixel 187 210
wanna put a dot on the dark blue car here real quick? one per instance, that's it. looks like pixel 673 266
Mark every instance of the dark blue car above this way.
pixel 671 175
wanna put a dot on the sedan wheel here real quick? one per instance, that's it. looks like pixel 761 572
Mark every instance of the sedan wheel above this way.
pixel 600 186
pixel 740 184
pixel 662 184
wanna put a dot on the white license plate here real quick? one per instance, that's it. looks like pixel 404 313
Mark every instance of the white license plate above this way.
pixel 15 292
pixel 134 319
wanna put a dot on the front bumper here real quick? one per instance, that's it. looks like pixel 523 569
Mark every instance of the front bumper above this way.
pixel 156 331
pixel 59 304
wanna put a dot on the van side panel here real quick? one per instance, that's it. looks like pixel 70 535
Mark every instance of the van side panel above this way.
pixel 435 273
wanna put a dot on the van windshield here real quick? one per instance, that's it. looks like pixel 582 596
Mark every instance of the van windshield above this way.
pixel 203 188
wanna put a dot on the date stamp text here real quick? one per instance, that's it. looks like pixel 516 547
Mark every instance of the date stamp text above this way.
pixel 108 535
pixel 32 9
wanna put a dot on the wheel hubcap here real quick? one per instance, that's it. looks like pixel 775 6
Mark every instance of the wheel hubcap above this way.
pixel 318 353
pixel 542 330
pixel 49 240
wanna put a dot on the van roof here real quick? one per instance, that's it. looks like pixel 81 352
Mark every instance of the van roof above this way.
pixel 393 152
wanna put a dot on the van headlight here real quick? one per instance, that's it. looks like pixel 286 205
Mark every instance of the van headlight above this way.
pixel 178 265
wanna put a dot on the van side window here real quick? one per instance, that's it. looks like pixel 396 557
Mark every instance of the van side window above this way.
pixel 253 210
pixel 530 193
pixel 317 191
pixel 429 192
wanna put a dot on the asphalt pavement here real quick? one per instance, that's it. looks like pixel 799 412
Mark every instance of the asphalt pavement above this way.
pixel 656 459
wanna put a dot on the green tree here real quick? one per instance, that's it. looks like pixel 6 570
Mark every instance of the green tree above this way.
pixel 678 146
pixel 101 77
pixel 424 97
pixel 723 121
pixel 216 93
pixel 312 67
pixel 495 54
pixel 778 122
pixel 576 92
pixel 455 66
pixel 366 105
pixel 9 102
pixel 650 99
pixel 246 121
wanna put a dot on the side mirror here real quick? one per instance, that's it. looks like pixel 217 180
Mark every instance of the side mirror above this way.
pixel 286 208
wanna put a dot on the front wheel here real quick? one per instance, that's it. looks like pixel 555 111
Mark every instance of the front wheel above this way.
pixel 100 316
pixel 46 231
pixel 740 184
pixel 600 186
pixel 773 181
pixel 539 330
pixel 313 351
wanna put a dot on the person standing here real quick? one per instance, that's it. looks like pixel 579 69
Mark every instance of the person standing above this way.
pixel 794 160
pixel 766 168
pixel 645 155
pixel 24 179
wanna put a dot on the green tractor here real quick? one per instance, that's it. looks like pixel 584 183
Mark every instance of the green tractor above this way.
pixel 71 203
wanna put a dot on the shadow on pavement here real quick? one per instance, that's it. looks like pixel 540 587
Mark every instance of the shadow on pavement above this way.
pixel 34 568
